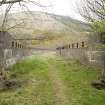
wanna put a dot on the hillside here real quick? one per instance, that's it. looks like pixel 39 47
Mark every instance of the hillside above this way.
pixel 54 28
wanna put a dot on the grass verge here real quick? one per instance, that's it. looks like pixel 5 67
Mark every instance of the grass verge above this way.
pixel 77 78
pixel 38 89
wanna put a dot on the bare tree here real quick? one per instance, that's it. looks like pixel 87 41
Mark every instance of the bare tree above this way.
pixel 92 10
pixel 23 4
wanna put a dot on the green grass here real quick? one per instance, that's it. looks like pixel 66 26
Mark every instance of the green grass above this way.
pixel 77 79
pixel 38 90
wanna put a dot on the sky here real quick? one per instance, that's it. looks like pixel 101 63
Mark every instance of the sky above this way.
pixel 67 8
pixel 60 7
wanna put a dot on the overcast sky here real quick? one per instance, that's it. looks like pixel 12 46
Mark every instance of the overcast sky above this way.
pixel 60 7
pixel 67 8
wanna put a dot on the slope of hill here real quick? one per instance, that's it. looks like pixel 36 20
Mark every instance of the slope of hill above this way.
pixel 72 23
pixel 53 27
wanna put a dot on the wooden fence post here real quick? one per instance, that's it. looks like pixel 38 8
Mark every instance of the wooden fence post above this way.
pixel 72 45
pixel 69 46
pixel 77 45
pixel 83 44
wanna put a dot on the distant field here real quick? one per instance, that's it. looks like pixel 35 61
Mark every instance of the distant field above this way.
pixel 50 80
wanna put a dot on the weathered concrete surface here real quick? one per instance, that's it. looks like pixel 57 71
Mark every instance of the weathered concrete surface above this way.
pixel 96 58
pixel 89 55
pixel 10 50
pixel 9 57
pixel 85 56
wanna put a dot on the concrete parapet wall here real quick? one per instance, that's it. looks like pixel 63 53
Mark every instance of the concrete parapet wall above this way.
pixel 10 56
pixel 85 55
pixel 11 51
pixel 96 58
